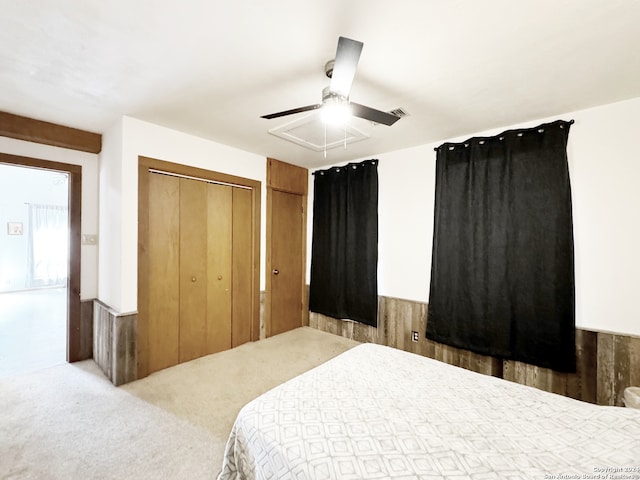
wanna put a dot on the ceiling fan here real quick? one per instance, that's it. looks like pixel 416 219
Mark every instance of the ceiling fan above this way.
pixel 342 70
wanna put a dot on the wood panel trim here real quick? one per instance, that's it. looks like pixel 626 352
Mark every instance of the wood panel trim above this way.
pixel 255 297
pixel 286 177
pixel 74 320
pixel 268 261
pixel 38 131
pixel 180 169
pixel 143 269
pixel 74 345
pixel 305 290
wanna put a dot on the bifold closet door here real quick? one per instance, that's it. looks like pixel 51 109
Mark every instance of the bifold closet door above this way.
pixel 206 214
pixel 193 269
pixel 242 262
pixel 219 267
pixel 191 226
pixel 163 272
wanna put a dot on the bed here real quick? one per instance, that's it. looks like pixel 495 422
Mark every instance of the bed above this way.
pixel 378 412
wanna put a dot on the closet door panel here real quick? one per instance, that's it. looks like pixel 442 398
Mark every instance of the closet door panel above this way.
pixel 219 245
pixel 242 261
pixel 164 271
pixel 193 269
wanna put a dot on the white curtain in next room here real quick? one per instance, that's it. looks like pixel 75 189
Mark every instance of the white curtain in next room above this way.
pixel 48 240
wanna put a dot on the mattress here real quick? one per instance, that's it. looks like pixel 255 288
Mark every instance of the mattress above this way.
pixel 378 412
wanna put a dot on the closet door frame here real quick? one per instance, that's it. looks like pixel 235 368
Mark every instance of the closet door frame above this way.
pixel 145 166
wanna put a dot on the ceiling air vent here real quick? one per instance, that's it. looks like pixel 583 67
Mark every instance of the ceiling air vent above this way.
pixel 399 112
pixel 312 133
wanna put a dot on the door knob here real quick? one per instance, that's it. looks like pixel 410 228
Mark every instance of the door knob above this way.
pixel 276 271
pixel 193 279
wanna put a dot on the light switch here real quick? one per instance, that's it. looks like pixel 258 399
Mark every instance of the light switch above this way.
pixel 89 239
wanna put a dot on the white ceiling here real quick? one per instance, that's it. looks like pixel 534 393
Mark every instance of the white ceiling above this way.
pixel 212 67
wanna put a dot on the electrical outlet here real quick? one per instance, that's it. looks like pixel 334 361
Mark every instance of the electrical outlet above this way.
pixel 414 336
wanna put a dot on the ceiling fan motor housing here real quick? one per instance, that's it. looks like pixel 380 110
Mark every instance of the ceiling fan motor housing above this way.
pixel 332 97
pixel 328 68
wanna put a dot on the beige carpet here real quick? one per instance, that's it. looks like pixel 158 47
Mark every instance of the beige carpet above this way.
pixel 69 422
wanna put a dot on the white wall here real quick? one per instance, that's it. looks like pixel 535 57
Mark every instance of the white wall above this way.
pixel 132 138
pixel 605 179
pixel 604 166
pixel 111 211
pixel 89 163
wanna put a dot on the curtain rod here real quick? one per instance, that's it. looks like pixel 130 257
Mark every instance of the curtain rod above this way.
pixel 354 165
pixel 541 126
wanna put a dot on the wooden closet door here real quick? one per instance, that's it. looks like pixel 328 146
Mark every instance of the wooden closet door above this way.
pixel 163 308
pixel 219 267
pixel 198 261
pixel 193 269
pixel 242 262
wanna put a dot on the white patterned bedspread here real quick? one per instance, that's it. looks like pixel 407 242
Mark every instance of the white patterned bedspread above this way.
pixel 379 412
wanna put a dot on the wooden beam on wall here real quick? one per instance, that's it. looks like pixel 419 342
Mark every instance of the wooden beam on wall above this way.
pixel 37 131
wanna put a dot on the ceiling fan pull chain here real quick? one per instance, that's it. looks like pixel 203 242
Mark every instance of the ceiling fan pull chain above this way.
pixel 345 136
pixel 325 140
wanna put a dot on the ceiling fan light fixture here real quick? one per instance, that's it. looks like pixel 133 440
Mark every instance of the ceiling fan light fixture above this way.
pixel 335 114
pixel 335 109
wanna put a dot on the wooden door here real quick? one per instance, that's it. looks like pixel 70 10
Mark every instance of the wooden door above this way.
pixel 163 279
pixel 286 261
pixel 193 269
pixel 190 232
pixel 242 266
pixel 206 232
pixel 219 267
pixel 286 246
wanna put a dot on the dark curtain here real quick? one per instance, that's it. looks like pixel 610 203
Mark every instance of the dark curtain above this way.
pixel 344 252
pixel 502 274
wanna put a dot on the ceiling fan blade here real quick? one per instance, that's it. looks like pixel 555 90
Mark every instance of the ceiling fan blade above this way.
pixel 344 67
pixel 372 114
pixel 292 111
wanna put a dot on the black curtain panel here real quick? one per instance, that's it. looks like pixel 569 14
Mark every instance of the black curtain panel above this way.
pixel 344 253
pixel 502 274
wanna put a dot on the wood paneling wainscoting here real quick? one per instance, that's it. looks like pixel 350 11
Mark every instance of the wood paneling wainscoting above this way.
pixel 618 366
pixel 86 329
pixel 114 343
pixel 606 363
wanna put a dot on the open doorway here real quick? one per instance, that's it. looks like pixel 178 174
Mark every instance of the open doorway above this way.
pixel 34 268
